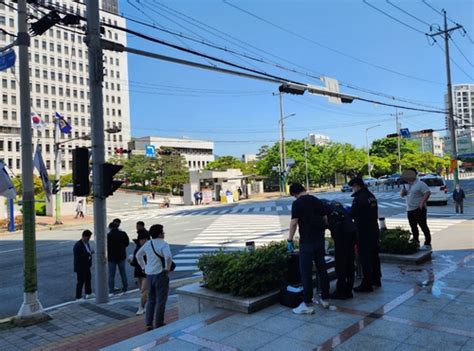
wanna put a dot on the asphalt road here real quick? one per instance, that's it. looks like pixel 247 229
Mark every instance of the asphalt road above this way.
pixel 189 231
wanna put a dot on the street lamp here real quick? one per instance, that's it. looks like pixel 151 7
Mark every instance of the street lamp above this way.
pixel 367 143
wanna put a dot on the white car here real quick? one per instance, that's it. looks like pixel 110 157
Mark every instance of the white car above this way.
pixel 371 181
pixel 438 188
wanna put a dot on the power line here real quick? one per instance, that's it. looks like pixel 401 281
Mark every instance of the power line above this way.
pixel 455 63
pixel 393 18
pixel 329 48
pixel 460 51
pixel 408 13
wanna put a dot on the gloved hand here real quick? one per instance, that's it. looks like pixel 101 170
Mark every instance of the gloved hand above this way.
pixel 290 245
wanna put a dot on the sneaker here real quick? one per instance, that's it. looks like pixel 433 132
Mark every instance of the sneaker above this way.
pixel 140 311
pixel 303 309
pixel 426 248
pixel 89 296
pixel 324 304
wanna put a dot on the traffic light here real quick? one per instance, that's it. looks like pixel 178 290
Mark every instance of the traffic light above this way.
pixel 426 131
pixel 165 152
pixel 80 171
pixel 45 23
pixel 121 151
pixel 56 187
pixel 291 89
pixel 109 185
pixel 394 135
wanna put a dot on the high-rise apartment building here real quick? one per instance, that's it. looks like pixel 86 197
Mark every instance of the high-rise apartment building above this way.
pixel 463 101
pixel 318 139
pixel 59 82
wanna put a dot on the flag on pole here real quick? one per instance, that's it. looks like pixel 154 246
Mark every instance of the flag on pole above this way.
pixel 6 186
pixel 37 122
pixel 43 172
pixel 62 123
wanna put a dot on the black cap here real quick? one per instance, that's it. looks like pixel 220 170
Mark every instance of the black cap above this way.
pixel 357 181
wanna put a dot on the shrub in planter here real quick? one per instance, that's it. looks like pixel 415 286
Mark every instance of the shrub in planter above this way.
pixel 397 241
pixel 246 274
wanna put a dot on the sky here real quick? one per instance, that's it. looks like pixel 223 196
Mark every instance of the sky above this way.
pixel 319 38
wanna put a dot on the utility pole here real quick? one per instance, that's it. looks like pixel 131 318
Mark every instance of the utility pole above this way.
pixel 282 126
pixel 281 168
pixel 57 160
pixel 452 127
pixel 96 77
pixel 369 166
pixel 306 163
pixel 399 154
pixel 31 311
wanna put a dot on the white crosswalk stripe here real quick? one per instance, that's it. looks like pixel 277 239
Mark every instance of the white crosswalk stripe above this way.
pixel 229 233
pixel 434 224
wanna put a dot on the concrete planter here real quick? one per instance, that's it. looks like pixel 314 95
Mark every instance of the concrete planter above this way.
pixel 194 299
pixel 416 258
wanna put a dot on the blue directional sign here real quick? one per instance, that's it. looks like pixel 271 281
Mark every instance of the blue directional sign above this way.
pixel 150 150
pixel 405 133
pixel 7 59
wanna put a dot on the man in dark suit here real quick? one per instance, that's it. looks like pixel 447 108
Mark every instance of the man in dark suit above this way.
pixel 117 242
pixel 82 264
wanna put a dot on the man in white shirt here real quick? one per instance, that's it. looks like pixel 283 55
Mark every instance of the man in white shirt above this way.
pixel 156 268
pixel 417 194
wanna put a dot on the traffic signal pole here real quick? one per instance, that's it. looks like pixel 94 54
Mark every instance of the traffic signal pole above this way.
pixel 31 310
pixel 96 77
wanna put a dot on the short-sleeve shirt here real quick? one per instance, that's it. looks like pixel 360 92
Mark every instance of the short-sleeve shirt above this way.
pixel 415 194
pixel 309 211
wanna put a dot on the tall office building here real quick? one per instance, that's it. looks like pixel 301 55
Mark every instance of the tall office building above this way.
pixel 59 82
pixel 463 101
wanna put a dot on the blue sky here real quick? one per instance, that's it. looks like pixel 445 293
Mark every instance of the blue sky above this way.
pixel 241 114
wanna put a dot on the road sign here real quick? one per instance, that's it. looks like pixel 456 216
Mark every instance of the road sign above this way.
pixel 7 59
pixel 150 150
pixel 405 133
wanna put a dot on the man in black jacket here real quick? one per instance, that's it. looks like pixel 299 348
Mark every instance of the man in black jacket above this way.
pixel 117 242
pixel 364 211
pixel 82 264
pixel 142 236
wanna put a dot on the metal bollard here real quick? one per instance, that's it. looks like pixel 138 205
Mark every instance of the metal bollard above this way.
pixel 382 224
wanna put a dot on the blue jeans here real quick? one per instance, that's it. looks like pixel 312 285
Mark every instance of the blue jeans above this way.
pixel 310 252
pixel 123 274
pixel 158 288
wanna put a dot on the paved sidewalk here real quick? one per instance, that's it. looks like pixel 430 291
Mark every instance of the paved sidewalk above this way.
pixel 82 325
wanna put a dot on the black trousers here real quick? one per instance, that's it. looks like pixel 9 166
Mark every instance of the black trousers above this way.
pixel 368 244
pixel 344 257
pixel 83 278
pixel 310 252
pixel 418 218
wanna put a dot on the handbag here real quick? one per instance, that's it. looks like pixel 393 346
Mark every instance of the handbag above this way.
pixel 162 259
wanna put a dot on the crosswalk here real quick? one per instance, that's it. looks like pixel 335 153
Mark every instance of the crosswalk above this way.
pixel 230 233
pixel 434 224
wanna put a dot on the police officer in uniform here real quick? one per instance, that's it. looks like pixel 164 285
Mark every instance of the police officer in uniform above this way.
pixel 364 211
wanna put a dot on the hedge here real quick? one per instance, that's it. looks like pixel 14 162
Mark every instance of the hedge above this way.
pixel 397 241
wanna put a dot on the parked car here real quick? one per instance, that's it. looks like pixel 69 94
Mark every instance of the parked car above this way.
pixel 383 179
pixel 370 181
pixel 438 188
pixel 393 179
pixel 345 188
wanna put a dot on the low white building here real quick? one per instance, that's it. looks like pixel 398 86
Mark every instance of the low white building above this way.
pixel 246 158
pixel 198 153
pixel 318 139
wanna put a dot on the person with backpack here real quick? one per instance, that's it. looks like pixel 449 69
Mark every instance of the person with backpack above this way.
pixel 343 232
pixel 308 215
pixel 157 268
pixel 364 211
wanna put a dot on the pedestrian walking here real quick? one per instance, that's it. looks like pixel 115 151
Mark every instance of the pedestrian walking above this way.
pixel 142 237
pixel 82 265
pixel 117 242
pixel 200 197
pixel 458 197
pixel 157 268
pixel 309 217
pixel 364 211
pixel 80 209
pixel 196 197
pixel 416 194
pixel 344 233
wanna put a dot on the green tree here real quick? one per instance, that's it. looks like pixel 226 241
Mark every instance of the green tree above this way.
pixel 138 168
pixel 223 163
pixel 172 171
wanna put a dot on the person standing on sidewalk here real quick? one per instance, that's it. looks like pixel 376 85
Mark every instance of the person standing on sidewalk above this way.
pixel 142 237
pixel 157 268
pixel 458 197
pixel 308 215
pixel 364 211
pixel 117 242
pixel 82 264
pixel 417 194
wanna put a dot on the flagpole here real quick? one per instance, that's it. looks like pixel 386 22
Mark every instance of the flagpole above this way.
pixel 57 160
pixel 31 311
